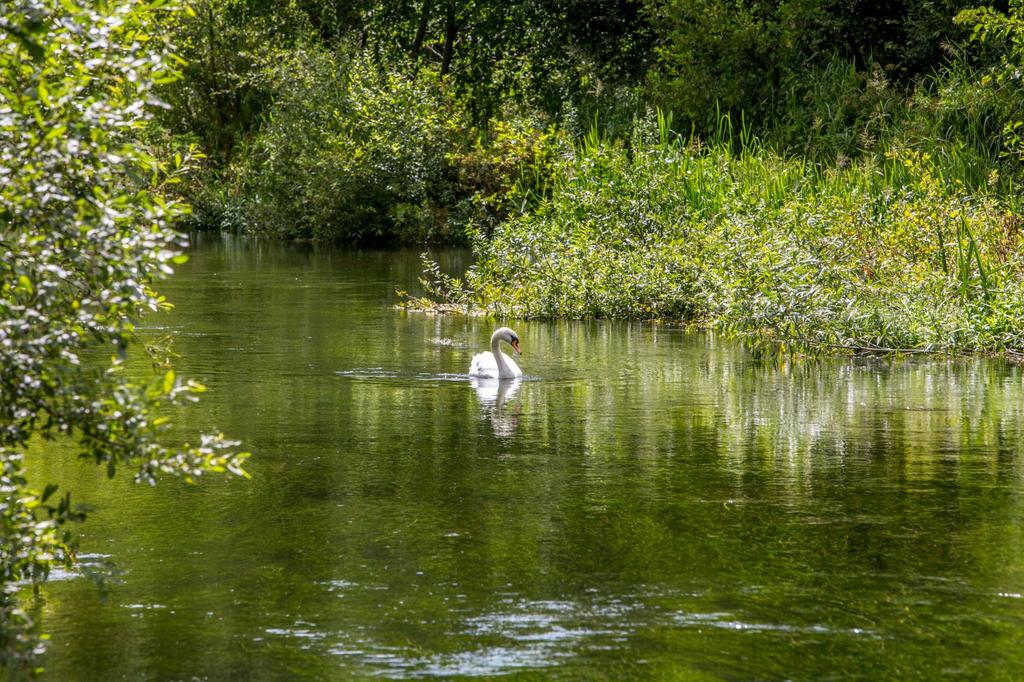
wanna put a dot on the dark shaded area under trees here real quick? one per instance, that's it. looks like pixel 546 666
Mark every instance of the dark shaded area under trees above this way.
pixel 823 80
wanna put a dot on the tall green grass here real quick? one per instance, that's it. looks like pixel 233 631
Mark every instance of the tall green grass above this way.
pixel 885 253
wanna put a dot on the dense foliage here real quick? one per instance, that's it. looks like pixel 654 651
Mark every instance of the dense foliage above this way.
pixel 843 169
pixel 876 256
pixel 754 57
pixel 355 121
pixel 350 149
pixel 365 125
pixel 86 231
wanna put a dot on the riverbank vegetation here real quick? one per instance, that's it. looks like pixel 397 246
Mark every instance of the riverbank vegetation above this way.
pixel 803 176
pixel 882 254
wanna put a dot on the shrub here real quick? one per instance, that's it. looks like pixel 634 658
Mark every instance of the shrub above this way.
pixel 883 254
pixel 351 152
pixel 85 225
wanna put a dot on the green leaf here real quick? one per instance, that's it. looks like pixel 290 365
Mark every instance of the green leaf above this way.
pixel 55 132
pixel 25 284
pixel 169 381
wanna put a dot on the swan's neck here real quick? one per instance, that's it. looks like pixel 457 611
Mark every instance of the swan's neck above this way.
pixel 499 357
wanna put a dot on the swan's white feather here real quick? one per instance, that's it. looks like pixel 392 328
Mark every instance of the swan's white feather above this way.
pixel 484 365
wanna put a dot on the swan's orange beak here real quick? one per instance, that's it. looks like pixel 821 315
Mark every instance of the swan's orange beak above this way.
pixel 515 346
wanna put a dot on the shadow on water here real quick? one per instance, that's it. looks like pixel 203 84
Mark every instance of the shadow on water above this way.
pixel 656 505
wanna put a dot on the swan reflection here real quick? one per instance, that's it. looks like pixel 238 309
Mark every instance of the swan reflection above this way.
pixel 493 394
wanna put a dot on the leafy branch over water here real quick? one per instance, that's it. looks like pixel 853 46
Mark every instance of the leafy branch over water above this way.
pixel 87 230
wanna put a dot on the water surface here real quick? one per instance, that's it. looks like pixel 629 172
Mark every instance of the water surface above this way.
pixel 649 503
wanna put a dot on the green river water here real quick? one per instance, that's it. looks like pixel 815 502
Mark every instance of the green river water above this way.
pixel 647 504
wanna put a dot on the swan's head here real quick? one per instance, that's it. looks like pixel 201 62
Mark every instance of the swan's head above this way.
pixel 508 336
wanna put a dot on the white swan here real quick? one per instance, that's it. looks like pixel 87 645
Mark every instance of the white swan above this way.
pixel 497 365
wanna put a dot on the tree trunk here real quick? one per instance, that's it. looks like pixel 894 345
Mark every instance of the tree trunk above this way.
pixel 220 141
pixel 421 32
pixel 451 31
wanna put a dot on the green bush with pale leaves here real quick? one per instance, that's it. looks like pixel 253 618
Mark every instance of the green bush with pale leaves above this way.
pixel 86 229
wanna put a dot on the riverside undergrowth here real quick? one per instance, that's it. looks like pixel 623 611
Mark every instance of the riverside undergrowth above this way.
pixel 884 254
